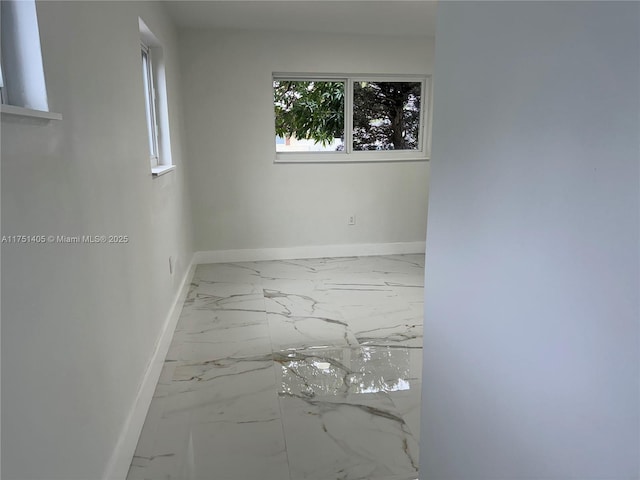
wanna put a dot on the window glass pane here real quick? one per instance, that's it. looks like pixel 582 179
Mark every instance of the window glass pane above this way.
pixel 309 115
pixel 2 89
pixel 386 115
pixel 148 103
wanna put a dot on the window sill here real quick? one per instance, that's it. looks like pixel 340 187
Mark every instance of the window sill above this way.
pixel 28 112
pixel 360 157
pixel 162 170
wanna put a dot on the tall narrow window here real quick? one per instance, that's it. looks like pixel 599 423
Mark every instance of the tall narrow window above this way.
pixel 156 101
pixel 150 104
pixel 22 82
pixel 3 90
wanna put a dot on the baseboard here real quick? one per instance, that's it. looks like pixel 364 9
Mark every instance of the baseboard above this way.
pixel 316 251
pixel 118 466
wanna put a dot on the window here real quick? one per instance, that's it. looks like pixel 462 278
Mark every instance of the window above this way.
pixel 309 115
pixel 3 90
pixel 386 115
pixel 350 118
pixel 22 84
pixel 155 101
pixel 149 104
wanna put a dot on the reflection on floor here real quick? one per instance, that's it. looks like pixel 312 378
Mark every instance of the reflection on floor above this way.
pixel 291 370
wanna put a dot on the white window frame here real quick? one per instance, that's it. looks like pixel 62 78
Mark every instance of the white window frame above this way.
pixel 150 105
pixel 156 102
pixel 3 88
pixel 349 155
pixel 23 90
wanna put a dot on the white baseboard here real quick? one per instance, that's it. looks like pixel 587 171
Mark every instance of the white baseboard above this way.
pixel 118 466
pixel 315 251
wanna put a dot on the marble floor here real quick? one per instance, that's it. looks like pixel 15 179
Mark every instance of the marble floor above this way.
pixel 291 370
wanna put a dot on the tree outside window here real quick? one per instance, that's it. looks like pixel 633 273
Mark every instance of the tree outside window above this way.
pixel 310 115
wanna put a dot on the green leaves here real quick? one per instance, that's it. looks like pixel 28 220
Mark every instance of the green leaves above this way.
pixel 309 109
pixel 386 115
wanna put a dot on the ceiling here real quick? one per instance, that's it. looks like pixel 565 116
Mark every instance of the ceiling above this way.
pixel 379 17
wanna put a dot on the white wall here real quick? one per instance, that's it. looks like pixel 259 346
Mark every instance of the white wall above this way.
pixel 79 322
pixel 241 198
pixel 531 358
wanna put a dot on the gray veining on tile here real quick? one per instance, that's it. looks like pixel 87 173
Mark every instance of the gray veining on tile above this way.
pixel 291 370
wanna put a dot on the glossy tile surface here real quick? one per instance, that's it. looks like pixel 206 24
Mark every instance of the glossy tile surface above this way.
pixel 291 370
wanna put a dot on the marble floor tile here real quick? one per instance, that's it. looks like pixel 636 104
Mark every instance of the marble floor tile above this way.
pixel 339 372
pixel 248 336
pixel 401 326
pixel 250 450
pixel 196 324
pixel 294 332
pixel 309 304
pixel 410 293
pixel 291 370
pixel 361 436
pixel 166 458
pixel 249 302
pixel 407 402
pixel 227 272
pixel 226 390
pixel 227 289
pixel 221 451
pixel 288 269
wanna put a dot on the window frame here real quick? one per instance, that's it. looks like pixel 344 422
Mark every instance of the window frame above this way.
pixel 3 87
pixel 23 88
pixel 326 156
pixel 150 104
pixel 348 155
pixel 162 162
